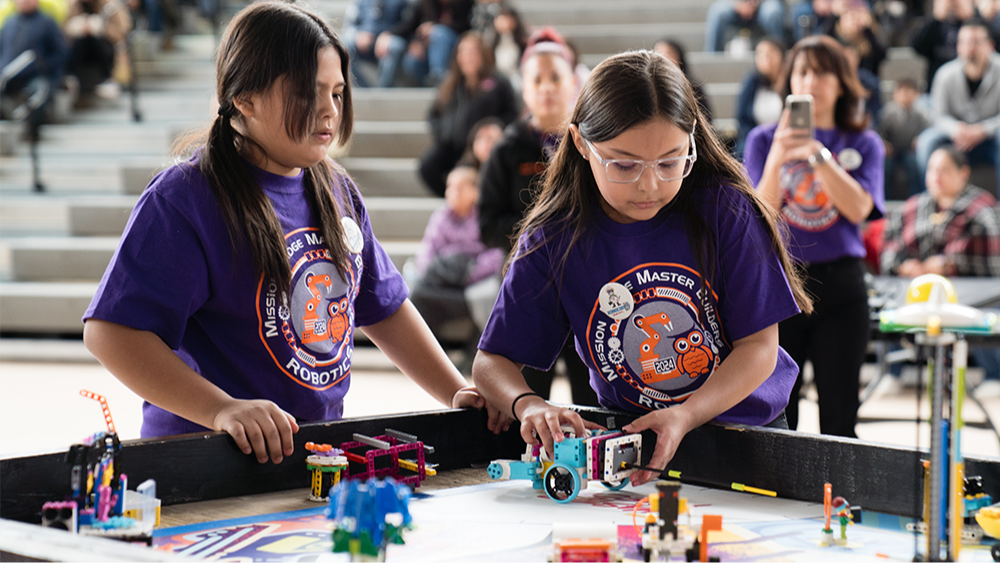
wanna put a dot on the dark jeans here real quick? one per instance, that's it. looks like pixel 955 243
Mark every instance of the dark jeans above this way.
pixel 436 164
pixel 835 339
pixel 577 371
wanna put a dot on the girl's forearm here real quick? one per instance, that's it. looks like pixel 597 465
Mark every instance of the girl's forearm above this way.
pixel 498 379
pixel 147 366
pixel 769 186
pixel 407 340
pixel 850 199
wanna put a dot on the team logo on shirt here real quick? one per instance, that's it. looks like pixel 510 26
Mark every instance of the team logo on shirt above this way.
pixel 310 333
pixel 647 332
pixel 807 205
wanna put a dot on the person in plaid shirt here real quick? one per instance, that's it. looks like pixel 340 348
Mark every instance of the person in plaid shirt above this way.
pixel 952 229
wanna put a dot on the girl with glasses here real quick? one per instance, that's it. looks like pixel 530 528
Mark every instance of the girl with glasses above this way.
pixel 649 245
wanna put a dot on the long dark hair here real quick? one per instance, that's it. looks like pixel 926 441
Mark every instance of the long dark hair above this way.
pixel 624 91
pixel 454 79
pixel 265 41
pixel 824 54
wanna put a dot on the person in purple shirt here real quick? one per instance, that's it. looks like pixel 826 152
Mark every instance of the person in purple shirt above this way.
pixel 232 300
pixel 649 245
pixel 824 186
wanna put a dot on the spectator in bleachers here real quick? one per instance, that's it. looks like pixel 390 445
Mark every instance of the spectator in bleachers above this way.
pixel 513 172
pixel 451 256
pixel 31 42
pixel 97 30
pixel 854 27
pixel 55 9
pixel 367 36
pixel 870 81
pixel 965 99
pixel 952 229
pixel 482 138
pixel 989 10
pixel 422 44
pixel 902 120
pixel 507 37
pixel 811 16
pixel 758 103
pixel 471 90
pixel 937 39
pixel 896 19
pixel 674 52
pixel 729 19
pixel 824 185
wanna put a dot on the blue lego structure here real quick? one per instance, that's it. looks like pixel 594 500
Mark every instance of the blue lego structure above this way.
pixel 601 457
pixel 368 516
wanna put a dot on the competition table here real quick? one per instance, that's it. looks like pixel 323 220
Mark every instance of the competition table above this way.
pixel 204 477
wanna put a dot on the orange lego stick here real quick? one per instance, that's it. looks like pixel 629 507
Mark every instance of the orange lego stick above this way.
pixel 827 503
pixel 709 522
pixel 104 407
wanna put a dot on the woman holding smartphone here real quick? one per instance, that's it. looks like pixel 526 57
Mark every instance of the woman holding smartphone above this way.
pixel 824 176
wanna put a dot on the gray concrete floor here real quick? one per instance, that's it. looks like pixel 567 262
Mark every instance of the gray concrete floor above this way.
pixel 41 409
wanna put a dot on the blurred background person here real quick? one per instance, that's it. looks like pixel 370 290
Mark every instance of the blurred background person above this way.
pixel 936 40
pixel 471 90
pixel 512 175
pixel 423 42
pixel 367 34
pixel 33 55
pixel 965 99
pixel 855 26
pixel 96 30
pixel 758 103
pixel 674 51
pixel 726 19
pixel 824 184
pixel 901 122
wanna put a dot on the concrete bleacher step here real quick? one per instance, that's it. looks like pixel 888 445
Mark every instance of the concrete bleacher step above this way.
pixel 392 104
pixel 391 217
pixel 44 307
pixel 390 139
pixel 79 259
pixel 615 38
pixel 598 12
pixel 386 177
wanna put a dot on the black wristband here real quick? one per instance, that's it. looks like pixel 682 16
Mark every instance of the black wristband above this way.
pixel 518 398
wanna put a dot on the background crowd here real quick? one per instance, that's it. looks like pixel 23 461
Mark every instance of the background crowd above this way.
pixel 504 91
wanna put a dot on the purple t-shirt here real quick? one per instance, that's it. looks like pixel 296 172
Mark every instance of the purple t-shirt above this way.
pixel 818 233
pixel 175 274
pixel 631 294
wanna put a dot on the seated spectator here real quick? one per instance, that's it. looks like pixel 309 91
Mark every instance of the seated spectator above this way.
pixel 896 19
pixel 901 121
pixel 32 57
pixel 965 98
pixel 367 36
pixel 758 103
pixel 952 229
pixel 853 26
pixel 471 90
pixel 423 42
pixel 451 256
pixel 873 103
pixel 989 10
pixel 508 40
pixel 675 52
pixel 937 39
pixel 811 16
pixel 55 9
pixel 97 30
pixel 482 138
pixel 726 19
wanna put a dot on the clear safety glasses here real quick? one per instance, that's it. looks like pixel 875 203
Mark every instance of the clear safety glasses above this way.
pixel 627 170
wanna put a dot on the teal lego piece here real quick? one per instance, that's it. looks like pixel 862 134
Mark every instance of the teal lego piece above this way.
pixel 571 451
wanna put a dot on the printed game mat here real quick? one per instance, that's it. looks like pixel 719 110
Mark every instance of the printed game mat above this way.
pixel 509 521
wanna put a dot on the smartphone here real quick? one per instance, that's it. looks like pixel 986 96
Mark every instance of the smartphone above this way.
pixel 800 112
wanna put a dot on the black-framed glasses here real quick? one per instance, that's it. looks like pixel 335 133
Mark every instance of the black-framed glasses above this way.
pixel 628 170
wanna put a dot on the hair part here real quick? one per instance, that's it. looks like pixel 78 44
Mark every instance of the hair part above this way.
pixel 265 42
pixel 622 92
pixel 823 54
pixel 957 157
